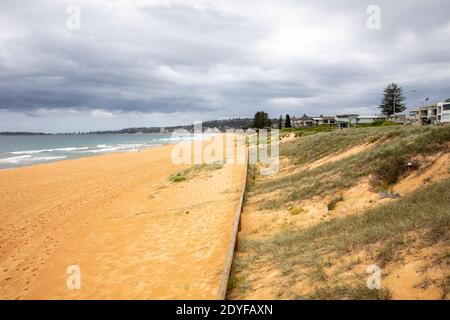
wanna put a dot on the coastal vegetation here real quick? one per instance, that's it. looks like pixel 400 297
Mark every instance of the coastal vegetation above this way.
pixel 326 257
pixel 193 171
pixel 386 160
pixel 261 120
pixel 393 100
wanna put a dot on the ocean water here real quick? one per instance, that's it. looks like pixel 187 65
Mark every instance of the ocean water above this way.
pixel 17 151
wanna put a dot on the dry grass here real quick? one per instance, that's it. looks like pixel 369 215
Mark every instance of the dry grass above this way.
pixel 359 292
pixel 426 211
pixel 386 161
pixel 305 254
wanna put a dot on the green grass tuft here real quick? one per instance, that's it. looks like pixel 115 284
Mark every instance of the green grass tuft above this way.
pixel 332 204
pixel 193 171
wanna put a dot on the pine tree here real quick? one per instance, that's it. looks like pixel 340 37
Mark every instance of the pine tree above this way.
pixel 257 120
pixel 393 100
pixel 287 123
pixel 261 120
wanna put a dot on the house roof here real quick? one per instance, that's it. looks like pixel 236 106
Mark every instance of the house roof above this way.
pixel 347 115
pixel 305 117
pixel 371 117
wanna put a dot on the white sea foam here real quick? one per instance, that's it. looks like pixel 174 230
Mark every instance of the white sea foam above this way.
pixel 103 150
pixel 20 157
pixel 15 159
pixel 133 147
pixel 47 158
pixel 49 150
pixel 29 158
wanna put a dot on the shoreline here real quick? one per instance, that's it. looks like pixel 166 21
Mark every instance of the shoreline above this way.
pixel 94 155
pixel 49 151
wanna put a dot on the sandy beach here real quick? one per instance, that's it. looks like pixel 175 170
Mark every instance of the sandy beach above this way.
pixel 133 233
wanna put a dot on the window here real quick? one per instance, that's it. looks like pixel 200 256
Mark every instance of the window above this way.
pixel 445 117
pixel 446 107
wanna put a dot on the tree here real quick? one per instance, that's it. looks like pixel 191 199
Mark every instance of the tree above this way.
pixel 287 123
pixel 280 123
pixel 392 100
pixel 261 120
pixel 447 100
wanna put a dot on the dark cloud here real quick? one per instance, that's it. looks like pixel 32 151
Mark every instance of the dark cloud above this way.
pixel 225 59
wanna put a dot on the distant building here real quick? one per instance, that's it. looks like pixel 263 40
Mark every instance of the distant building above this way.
pixel 398 118
pixel 349 120
pixel 304 121
pixel 324 120
pixel 433 114
pixel 346 120
pixel 444 112
pixel 413 116
pixel 369 119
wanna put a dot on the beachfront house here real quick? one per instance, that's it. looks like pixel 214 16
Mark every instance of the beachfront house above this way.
pixel 303 121
pixel 443 112
pixel 432 114
pixel 369 119
pixel 350 120
pixel 306 121
pixel 413 116
pixel 346 120
pixel 398 118
pixel 323 120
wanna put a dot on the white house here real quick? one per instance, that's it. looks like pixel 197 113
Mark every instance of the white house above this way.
pixel 348 120
pixel 303 121
pixel 369 119
pixel 324 120
pixel 443 112
pixel 433 114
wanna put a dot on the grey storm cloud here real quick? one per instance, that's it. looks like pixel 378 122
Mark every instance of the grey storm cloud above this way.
pixel 219 59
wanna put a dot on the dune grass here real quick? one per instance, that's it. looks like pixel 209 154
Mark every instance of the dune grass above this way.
pixel 386 161
pixel 359 292
pixel 304 131
pixel 383 232
pixel 426 211
pixel 193 171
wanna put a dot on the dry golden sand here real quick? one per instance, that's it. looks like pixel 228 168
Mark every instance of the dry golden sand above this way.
pixel 132 232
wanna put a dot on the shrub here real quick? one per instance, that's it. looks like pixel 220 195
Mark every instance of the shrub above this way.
pixel 389 171
pixel 178 178
pixel 332 204
pixel 296 210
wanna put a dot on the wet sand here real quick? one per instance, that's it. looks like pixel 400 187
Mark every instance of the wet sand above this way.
pixel 132 232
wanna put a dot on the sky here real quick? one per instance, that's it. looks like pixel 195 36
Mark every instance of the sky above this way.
pixel 96 65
